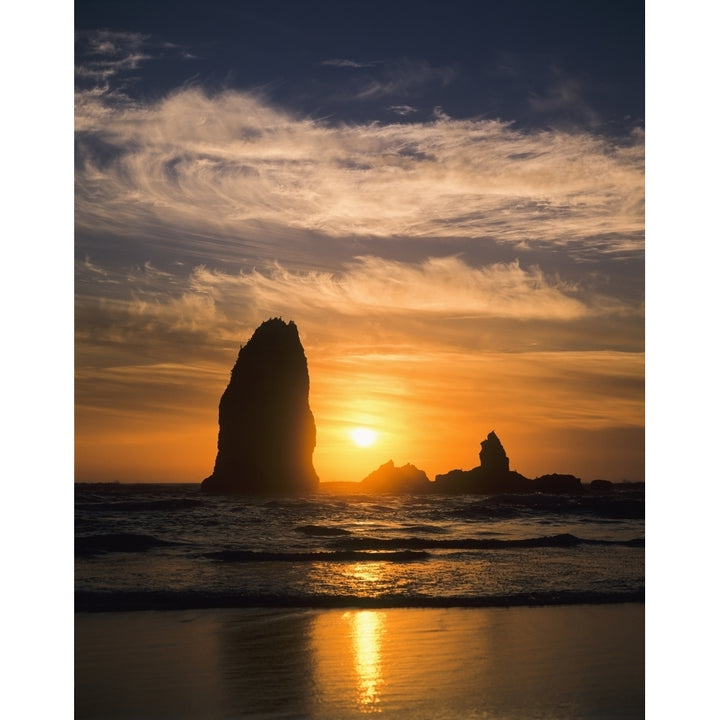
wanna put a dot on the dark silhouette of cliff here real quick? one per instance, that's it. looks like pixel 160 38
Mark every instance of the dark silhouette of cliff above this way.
pixel 390 479
pixel 267 431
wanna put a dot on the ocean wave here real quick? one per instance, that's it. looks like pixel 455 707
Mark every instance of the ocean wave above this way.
pixel 563 540
pixel 428 529
pixel 354 556
pixel 321 530
pixel 116 542
pixel 89 601
pixel 163 505
pixel 623 506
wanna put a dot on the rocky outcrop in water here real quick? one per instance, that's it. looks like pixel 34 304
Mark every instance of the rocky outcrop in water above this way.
pixel 493 458
pixel 266 433
pixel 557 483
pixel 390 479
pixel 493 476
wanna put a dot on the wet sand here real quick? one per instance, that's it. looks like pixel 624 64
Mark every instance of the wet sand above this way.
pixel 583 661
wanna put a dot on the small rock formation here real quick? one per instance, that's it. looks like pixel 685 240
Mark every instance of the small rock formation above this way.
pixel 557 484
pixel 601 487
pixel 493 459
pixel 267 431
pixel 494 476
pixel 390 479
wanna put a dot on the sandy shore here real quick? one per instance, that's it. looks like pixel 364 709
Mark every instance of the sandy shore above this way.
pixel 576 662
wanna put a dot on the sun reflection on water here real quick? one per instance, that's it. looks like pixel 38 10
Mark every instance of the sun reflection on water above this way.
pixel 364 574
pixel 368 627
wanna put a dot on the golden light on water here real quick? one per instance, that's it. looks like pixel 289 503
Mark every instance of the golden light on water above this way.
pixel 366 577
pixel 368 627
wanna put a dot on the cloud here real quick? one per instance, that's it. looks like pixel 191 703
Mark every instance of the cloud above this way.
pixel 564 96
pixel 109 42
pixel 103 54
pixel 404 77
pixel 106 60
pixel 438 286
pixel 610 382
pixel 344 63
pixel 403 109
pixel 228 164
pixel 92 269
pixel 210 308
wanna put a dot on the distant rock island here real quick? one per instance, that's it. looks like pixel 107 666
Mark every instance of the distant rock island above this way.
pixel 266 432
pixel 390 479
pixel 492 476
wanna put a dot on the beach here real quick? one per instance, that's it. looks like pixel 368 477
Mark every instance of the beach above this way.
pixel 576 662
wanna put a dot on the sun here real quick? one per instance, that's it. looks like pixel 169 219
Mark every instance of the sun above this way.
pixel 363 437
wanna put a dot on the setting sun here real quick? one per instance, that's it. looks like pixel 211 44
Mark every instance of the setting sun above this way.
pixel 433 254
pixel 363 437
pixel 358 345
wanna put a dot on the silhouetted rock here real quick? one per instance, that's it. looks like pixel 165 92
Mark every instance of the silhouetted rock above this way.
pixel 601 486
pixel 390 479
pixel 493 459
pixel 494 476
pixel 557 484
pixel 267 431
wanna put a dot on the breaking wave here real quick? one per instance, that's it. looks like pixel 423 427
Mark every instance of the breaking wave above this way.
pixel 564 540
pixel 321 530
pixel 630 506
pixel 337 556
pixel 116 542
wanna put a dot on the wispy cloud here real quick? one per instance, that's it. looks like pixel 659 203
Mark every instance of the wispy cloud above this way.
pixel 225 163
pixel 92 269
pixel 439 286
pixel 106 61
pixel 345 63
pixel 442 296
pixel 102 54
pixel 404 77
pixel 564 96
pixel 403 109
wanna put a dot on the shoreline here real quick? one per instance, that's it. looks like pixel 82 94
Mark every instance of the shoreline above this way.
pixel 89 601
pixel 582 662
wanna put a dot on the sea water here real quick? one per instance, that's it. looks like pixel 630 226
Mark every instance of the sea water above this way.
pixel 172 547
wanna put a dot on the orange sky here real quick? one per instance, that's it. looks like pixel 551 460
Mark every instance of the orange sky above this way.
pixel 578 412
pixel 448 277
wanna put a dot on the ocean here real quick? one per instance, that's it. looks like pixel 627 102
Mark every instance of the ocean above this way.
pixel 505 607
pixel 145 547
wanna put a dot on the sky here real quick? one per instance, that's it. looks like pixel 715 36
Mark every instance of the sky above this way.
pixel 448 199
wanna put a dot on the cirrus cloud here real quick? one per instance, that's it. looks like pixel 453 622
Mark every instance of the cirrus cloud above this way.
pixel 225 163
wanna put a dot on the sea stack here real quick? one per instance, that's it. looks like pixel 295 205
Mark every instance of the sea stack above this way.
pixel 397 480
pixel 493 475
pixel 267 430
pixel 493 458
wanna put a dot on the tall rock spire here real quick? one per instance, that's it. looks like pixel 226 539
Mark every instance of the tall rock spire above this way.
pixel 267 430
pixel 493 458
